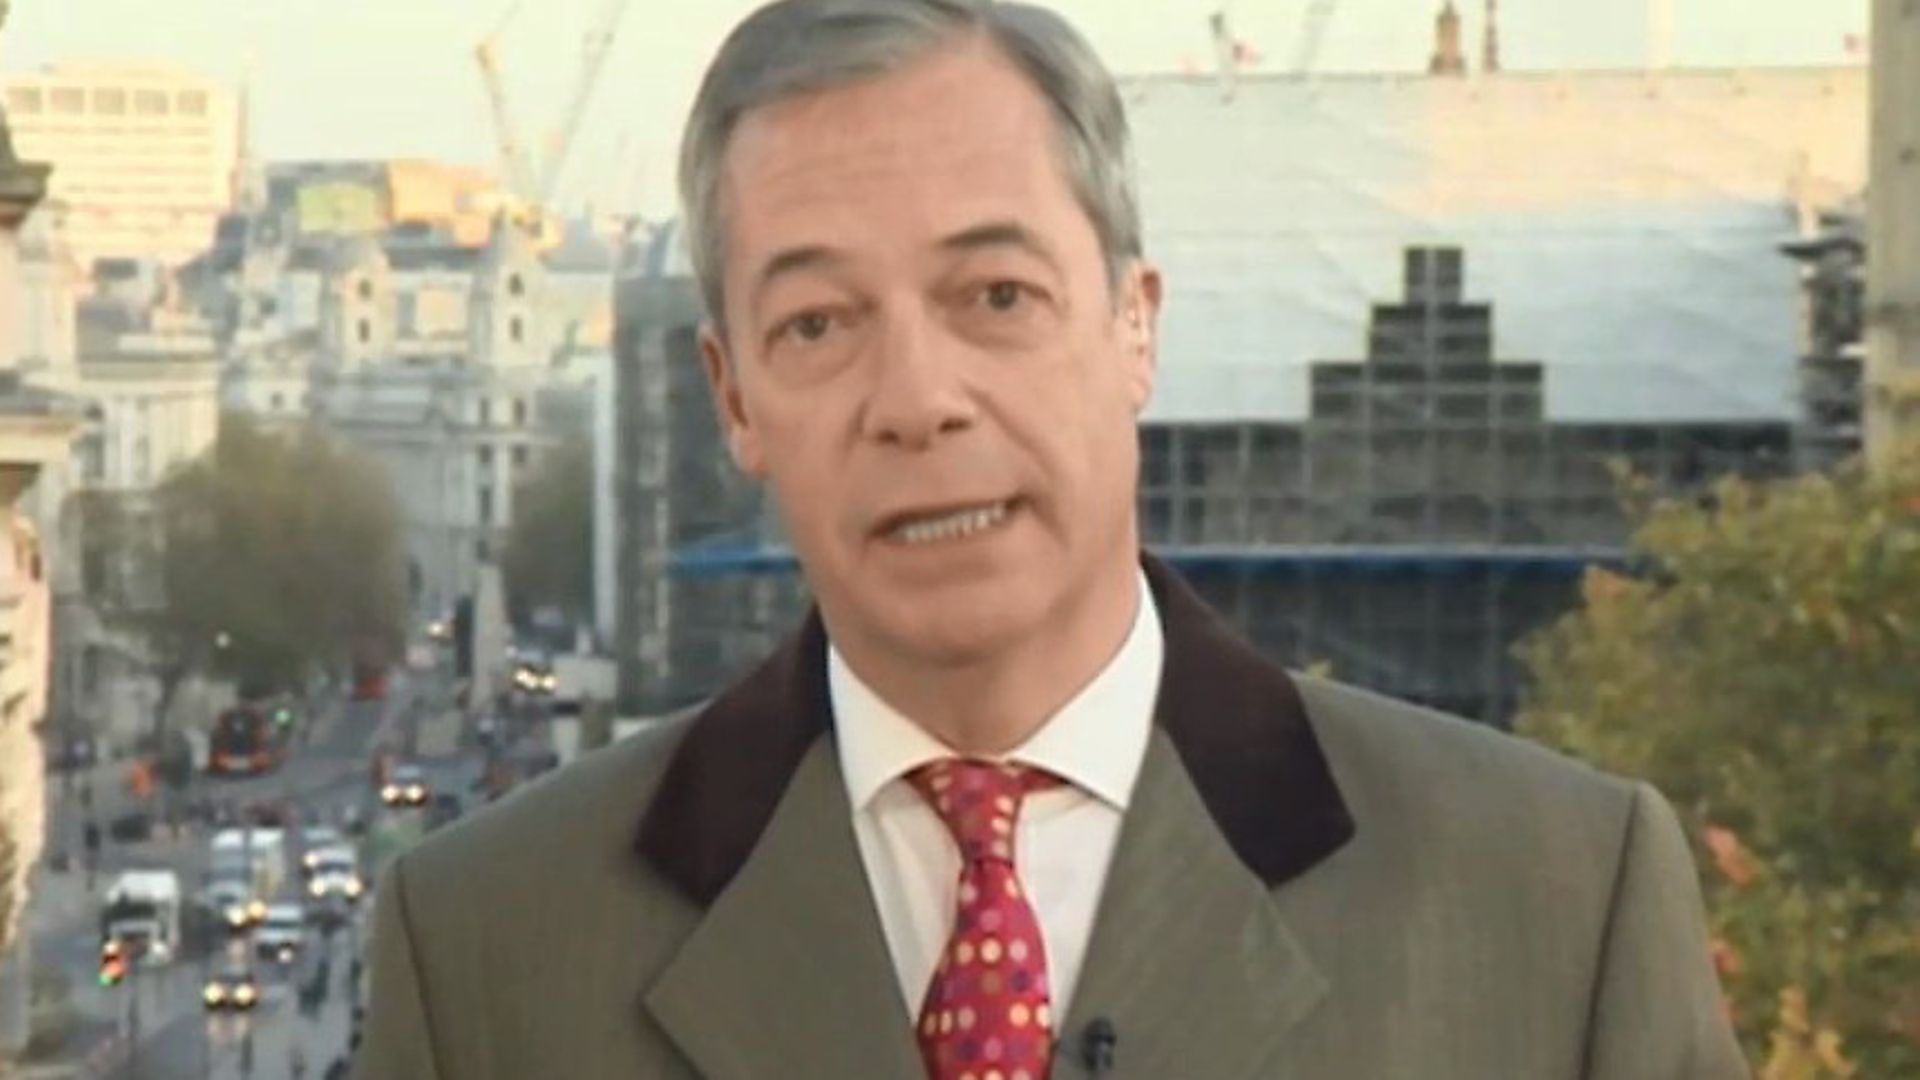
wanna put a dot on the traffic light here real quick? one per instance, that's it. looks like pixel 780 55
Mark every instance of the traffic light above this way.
pixel 113 963
pixel 283 716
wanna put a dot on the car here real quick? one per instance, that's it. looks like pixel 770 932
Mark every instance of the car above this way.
pixel 534 677
pixel 407 786
pixel 230 898
pixel 282 934
pixel 132 827
pixel 317 841
pixel 335 871
pixel 231 988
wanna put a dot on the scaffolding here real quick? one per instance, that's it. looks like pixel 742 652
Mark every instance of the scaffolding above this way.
pixel 1423 519
pixel 1833 280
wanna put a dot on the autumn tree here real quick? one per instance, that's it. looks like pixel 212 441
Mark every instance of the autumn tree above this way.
pixel 1762 668
pixel 272 555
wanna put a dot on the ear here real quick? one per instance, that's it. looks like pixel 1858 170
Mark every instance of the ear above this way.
pixel 722 379
pixel 1139 325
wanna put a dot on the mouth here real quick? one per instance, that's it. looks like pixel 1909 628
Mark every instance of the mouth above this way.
pixel 946 524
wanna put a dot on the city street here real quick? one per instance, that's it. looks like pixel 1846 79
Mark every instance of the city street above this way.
pixel 154 1025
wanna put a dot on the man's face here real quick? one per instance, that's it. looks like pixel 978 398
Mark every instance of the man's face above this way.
pixel 924 360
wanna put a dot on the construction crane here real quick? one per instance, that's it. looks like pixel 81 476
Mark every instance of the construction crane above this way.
pixel 514 166
pixel 594 59
pixel 532 189
pixel 1313 34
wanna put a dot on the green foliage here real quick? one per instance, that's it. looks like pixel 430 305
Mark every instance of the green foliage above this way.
pixel 548 560
pixel 1765 674
pixel 275 555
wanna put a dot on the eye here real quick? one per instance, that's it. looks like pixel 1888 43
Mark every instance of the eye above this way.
pixel 1004 295
pixel 806 328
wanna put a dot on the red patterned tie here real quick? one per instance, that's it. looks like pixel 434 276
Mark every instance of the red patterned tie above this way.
pixel 987 1011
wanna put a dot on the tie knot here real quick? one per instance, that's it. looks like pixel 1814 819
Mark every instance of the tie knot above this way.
pixel 979 801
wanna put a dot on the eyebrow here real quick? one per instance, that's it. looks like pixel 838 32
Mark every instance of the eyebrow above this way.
pixel 1002 234
pixel 986 235
pixel 790 261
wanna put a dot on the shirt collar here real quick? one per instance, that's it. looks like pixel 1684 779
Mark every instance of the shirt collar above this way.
pixel 1096 741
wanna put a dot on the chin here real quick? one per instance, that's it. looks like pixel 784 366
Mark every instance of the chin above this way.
pixel 961 624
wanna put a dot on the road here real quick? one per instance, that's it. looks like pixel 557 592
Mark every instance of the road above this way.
pixel 176 1037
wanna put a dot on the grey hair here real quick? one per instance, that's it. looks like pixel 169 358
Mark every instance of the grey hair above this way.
pixel 795 47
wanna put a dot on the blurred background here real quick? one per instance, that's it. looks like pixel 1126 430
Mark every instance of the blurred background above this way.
pixel 1553 364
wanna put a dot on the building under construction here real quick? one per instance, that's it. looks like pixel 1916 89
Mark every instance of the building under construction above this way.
pixel 1413 323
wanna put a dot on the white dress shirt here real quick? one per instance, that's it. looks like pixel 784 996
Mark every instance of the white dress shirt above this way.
pixel 1066 835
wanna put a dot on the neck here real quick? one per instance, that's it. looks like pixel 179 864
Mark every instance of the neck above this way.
pixel 991 704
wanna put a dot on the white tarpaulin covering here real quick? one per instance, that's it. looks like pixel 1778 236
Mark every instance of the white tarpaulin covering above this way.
pixel 1625 227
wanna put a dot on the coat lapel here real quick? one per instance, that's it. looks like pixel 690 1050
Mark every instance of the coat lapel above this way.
pixel 1190 960
pixel 788 974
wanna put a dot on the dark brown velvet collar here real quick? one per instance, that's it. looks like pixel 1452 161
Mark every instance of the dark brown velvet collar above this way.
pixel 1236 719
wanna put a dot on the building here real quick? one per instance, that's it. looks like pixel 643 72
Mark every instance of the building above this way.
pixel 454 439
pixel 357 296
pixel 144 156
pixel 679 636
pixel 157 406
pixel 1833 275
pixel 1893 229
pixel 1411 324
pixel 35 430
pixel 51 284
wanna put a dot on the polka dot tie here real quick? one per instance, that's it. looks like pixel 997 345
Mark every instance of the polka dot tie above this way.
pixel 987 1011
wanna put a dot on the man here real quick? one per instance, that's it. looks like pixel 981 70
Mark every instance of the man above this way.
pixel 1013 804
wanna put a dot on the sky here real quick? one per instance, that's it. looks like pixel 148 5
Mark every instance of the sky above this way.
pixel 397 78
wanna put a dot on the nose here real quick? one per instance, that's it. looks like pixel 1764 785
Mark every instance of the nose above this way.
pixel 918 393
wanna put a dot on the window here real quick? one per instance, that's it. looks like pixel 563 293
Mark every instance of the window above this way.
pixel 192 103
pixel 110 102
pixel 24 100
pixel 486 457
pixel 520 457
pixel 486 412
pixel 365 289
pixel 519 412
pixel 515 330
pixel 515 287
pixel 365 331
pixel 486 505
pixel 69 100
pixel 151 103
pixel 279 402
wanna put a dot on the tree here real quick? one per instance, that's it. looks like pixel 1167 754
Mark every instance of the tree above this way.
pixel 548 560
pixel 1764 672
pixel 275 555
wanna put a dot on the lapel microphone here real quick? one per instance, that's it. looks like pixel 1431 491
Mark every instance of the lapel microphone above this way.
pixel 1097 1041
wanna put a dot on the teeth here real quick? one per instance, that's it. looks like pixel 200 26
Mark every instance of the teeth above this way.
pixel 951 526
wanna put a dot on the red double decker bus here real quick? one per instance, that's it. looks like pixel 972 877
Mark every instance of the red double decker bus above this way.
pixel 246 742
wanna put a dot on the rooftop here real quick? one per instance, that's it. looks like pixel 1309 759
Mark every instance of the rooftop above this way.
pixel 1625 227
